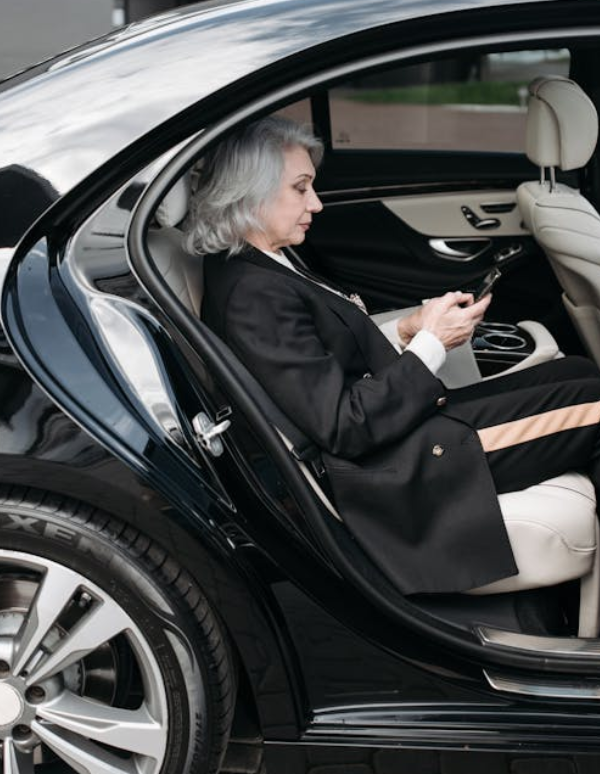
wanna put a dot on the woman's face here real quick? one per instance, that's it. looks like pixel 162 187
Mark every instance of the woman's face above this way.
pixel 287 217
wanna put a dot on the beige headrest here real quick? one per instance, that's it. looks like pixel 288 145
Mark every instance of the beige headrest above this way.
pixel 173 208
pixel 562 124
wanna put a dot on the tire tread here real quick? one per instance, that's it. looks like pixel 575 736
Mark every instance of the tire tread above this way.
pixel 220 672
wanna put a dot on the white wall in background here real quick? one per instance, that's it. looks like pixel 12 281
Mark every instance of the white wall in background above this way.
pixel 32 30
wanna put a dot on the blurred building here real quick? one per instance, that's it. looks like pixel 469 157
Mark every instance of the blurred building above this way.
pixel 33 30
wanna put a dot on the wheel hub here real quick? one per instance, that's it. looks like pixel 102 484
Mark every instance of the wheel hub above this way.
pixel 64 646
pixel 11 705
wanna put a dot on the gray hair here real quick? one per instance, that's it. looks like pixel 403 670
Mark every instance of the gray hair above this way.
pixel 237 178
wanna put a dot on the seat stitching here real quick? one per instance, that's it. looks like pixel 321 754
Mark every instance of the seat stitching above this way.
pixel 571 489
pixel 556 532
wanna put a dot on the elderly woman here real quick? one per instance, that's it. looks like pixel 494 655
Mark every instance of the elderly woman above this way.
pixel 414 467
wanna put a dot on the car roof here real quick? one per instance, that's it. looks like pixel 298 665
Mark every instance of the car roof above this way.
pixel 65 117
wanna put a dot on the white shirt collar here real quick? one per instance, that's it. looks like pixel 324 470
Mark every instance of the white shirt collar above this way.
pixel 280 258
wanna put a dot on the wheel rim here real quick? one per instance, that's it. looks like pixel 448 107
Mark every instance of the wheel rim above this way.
pixel 67 648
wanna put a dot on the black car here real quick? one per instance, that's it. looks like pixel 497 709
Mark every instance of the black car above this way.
pixel 178 592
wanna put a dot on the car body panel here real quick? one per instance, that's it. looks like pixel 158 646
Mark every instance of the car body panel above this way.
pixel 42 448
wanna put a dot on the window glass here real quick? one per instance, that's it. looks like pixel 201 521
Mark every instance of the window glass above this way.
pixel 300 112
pixel 473 101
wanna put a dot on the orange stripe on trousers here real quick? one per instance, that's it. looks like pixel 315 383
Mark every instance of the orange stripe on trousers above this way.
pixel 539 425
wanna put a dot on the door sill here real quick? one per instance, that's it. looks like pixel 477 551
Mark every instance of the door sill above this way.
pixel 556 647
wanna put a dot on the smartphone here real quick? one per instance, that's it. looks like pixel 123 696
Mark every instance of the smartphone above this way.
pixel 487 284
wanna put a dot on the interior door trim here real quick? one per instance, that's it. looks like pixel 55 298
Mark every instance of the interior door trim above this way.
pixel 565 647
pixel 549 688
pixel 454 249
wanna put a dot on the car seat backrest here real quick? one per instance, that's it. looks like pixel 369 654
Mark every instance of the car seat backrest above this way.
pixel 562 124
pixel 562 131
pixel 183 272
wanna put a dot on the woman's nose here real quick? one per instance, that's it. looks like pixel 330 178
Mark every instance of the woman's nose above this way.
pixel 315 204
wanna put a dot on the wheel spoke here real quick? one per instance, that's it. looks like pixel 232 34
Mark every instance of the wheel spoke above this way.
pixel 132 730
pixel 57 588
pixel 82 755
pixel 99 625
pixel 16 762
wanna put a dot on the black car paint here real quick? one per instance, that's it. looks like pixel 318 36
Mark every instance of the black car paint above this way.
pixel 262 582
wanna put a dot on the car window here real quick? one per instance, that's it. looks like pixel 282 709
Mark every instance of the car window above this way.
pixel 473 102
pixel 297 111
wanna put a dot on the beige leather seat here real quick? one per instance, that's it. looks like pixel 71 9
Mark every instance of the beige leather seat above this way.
pixel 182 271
pixel 553 531
pixel 552 526
pixel 562 131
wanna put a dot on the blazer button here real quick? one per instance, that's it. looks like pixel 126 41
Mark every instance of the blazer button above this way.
pixel 441 401
pixel 437 450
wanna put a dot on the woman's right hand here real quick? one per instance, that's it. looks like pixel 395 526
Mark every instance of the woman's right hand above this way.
pixel 451 317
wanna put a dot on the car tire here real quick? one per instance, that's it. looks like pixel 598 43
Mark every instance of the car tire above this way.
pixel 110 656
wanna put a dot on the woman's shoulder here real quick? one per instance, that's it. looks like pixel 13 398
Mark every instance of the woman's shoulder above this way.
pixel 241 279
pixel 248 267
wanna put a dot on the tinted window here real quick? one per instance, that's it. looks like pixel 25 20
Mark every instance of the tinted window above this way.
pixel 471 102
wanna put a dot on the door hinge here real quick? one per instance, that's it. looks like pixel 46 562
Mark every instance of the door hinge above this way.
pixel 207 433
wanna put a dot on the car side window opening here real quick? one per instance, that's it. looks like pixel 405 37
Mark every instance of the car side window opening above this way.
pixel 487 88
pixel 472 101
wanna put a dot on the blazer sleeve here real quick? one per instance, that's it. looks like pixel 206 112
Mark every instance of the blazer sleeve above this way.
pixel 272 329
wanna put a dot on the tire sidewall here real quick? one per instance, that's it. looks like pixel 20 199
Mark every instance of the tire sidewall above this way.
pixel 100 557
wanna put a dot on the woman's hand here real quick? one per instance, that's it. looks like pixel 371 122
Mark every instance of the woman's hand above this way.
pixel 452 318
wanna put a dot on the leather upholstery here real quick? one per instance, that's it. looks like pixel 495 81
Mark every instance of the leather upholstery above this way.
pixel 562 131
pixel 174 206
pixel 182 271
pixel 550 546
pixel 562 124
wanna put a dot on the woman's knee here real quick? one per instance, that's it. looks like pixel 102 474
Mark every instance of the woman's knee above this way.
pixel 580 367
pixel 563 369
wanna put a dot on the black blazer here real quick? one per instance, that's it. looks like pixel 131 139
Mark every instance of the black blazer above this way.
pixel 430 521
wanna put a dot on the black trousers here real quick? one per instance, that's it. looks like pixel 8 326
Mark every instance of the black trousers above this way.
pixel 537 423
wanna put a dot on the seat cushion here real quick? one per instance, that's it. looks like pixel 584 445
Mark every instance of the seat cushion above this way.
pixel 552 531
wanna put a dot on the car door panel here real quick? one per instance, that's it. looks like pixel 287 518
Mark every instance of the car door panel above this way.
pixel 367 248
pixel 391 219
pixel 444 214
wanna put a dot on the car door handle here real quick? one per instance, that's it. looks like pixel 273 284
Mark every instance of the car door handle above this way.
pixel 479 223
pixel 458 249
pixel 495 208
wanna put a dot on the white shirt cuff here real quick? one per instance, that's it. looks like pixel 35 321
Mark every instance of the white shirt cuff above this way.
pixel 428 348
pixel 425 345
